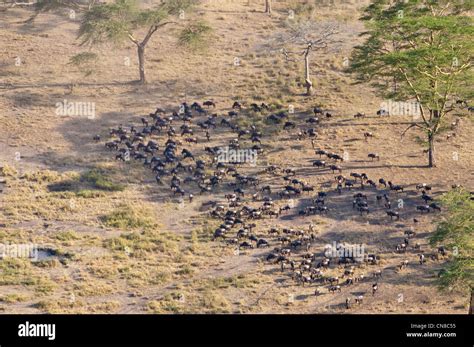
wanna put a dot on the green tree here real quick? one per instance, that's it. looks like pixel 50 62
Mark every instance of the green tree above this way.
pixel 425 49
pixel 118 22
pixel 456 232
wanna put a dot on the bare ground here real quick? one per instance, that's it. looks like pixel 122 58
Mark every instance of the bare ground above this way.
pixel 179 269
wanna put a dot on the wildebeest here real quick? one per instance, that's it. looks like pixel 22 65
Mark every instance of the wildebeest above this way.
pixel 209 103
pixel 393 214
pixel 373 156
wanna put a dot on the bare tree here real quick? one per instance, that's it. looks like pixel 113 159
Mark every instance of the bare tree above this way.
pixel 268 6
pixel 304 37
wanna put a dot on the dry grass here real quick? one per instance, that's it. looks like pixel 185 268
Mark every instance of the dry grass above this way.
pixel 131 248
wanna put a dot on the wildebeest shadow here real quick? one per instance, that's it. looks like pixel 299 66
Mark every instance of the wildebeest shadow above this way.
pixel 84 153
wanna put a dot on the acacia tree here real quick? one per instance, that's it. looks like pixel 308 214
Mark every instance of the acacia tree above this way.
pixel 456 233
pixel 425 48
pixel 118 22
pixel 304 37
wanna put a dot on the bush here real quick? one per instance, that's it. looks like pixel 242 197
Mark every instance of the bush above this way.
pixel 99 181
pixel 66 236
pixel 16 271
pixel 7 170
pixel 12 298
pixel 129 217
pixel 89 194
pixel 42 176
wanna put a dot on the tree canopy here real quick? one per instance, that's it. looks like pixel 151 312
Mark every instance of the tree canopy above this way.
pixel 456 232
pixel 418 50
pixel 117 22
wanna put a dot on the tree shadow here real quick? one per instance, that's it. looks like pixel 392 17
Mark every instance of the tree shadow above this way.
pixel 64 85
pixel 84 154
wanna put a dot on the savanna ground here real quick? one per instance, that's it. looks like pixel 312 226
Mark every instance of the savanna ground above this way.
pixel 121 244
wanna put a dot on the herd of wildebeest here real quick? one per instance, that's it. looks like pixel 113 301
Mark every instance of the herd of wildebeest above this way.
pixel 174 145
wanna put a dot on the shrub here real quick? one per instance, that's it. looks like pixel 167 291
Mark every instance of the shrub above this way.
pixel 127 217
pixel 98 180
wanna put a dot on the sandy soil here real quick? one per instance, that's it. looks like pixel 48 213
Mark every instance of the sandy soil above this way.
pixel 175 267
